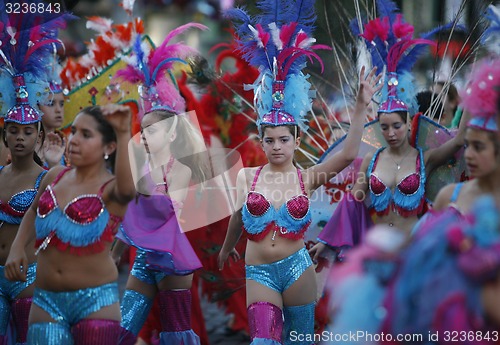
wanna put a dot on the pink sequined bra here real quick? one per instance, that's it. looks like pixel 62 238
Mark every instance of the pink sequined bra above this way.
pixel 408 198
pixel 291 220
pixel 83 226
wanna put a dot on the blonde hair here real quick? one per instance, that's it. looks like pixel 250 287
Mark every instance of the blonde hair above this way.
pixel 188 139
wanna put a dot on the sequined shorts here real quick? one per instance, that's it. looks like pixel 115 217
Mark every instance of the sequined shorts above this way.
pixel 9 289
pixel 143 273
pixel 69 307
pixel 280 275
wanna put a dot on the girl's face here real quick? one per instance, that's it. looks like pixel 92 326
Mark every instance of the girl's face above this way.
pixel 279 144
pixel 85 143
pixel 53 112
pixel 394 129
pixel 155 133
pixel 21 139
pixel 480 153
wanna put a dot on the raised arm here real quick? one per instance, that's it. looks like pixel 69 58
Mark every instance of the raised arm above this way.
pixel 53 149
pixel 26 233
pixel 119 117
pixel 434 158
pixel 323 172
pixel 235 222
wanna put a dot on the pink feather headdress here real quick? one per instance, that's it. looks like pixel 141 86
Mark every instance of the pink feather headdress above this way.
pixel 151 71
pixel 480 97
pixel 389 40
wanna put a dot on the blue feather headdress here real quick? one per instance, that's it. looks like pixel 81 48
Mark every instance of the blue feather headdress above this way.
pixel 279 42
pixel 491 36
pixel 389 40
pixel 26 44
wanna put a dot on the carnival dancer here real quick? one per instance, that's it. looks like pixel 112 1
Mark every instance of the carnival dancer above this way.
pixel 457 247
pixel 273 200
pixel 394 177
pixel 455 263
pixel 24 79
pixel 481 143
pixel 165 260
pixel 228 118
pixel 75 216
pixel 20 180
pixel 446 280
pixel 53 117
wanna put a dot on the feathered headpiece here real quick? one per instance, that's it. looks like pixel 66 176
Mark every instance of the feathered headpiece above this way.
pixel 112 41
pixel 151 71
pixel 491 36
pixel 86 79
pixel 389 39
pixel 55 83
pixel 480 97
pixel 279 42
pixel 26 41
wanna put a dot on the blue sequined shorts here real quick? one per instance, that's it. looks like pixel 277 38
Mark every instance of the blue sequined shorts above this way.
pixel 143 273
pixel 9 289
pixel 69 307
pixel 280 275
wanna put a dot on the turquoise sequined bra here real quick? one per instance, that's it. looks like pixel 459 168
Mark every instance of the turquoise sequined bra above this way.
pixel 12 211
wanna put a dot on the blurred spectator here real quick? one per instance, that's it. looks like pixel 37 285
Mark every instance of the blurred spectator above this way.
pixel 430 105
pixel 448 94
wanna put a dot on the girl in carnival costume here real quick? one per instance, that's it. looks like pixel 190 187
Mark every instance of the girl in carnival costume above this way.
pixel 479 99
pixel 23 80
pixel 280 276
pixel 228 120
pixel 165 261
pixel 394 177
pixel 457 248
pixel 76 294
pixel 53 117
pixel 481 142
pixel 445 284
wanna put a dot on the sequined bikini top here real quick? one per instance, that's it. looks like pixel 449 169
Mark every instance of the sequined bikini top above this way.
pixel 12 212
pixel 408 198
pixel 83 226
pixel 291 220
